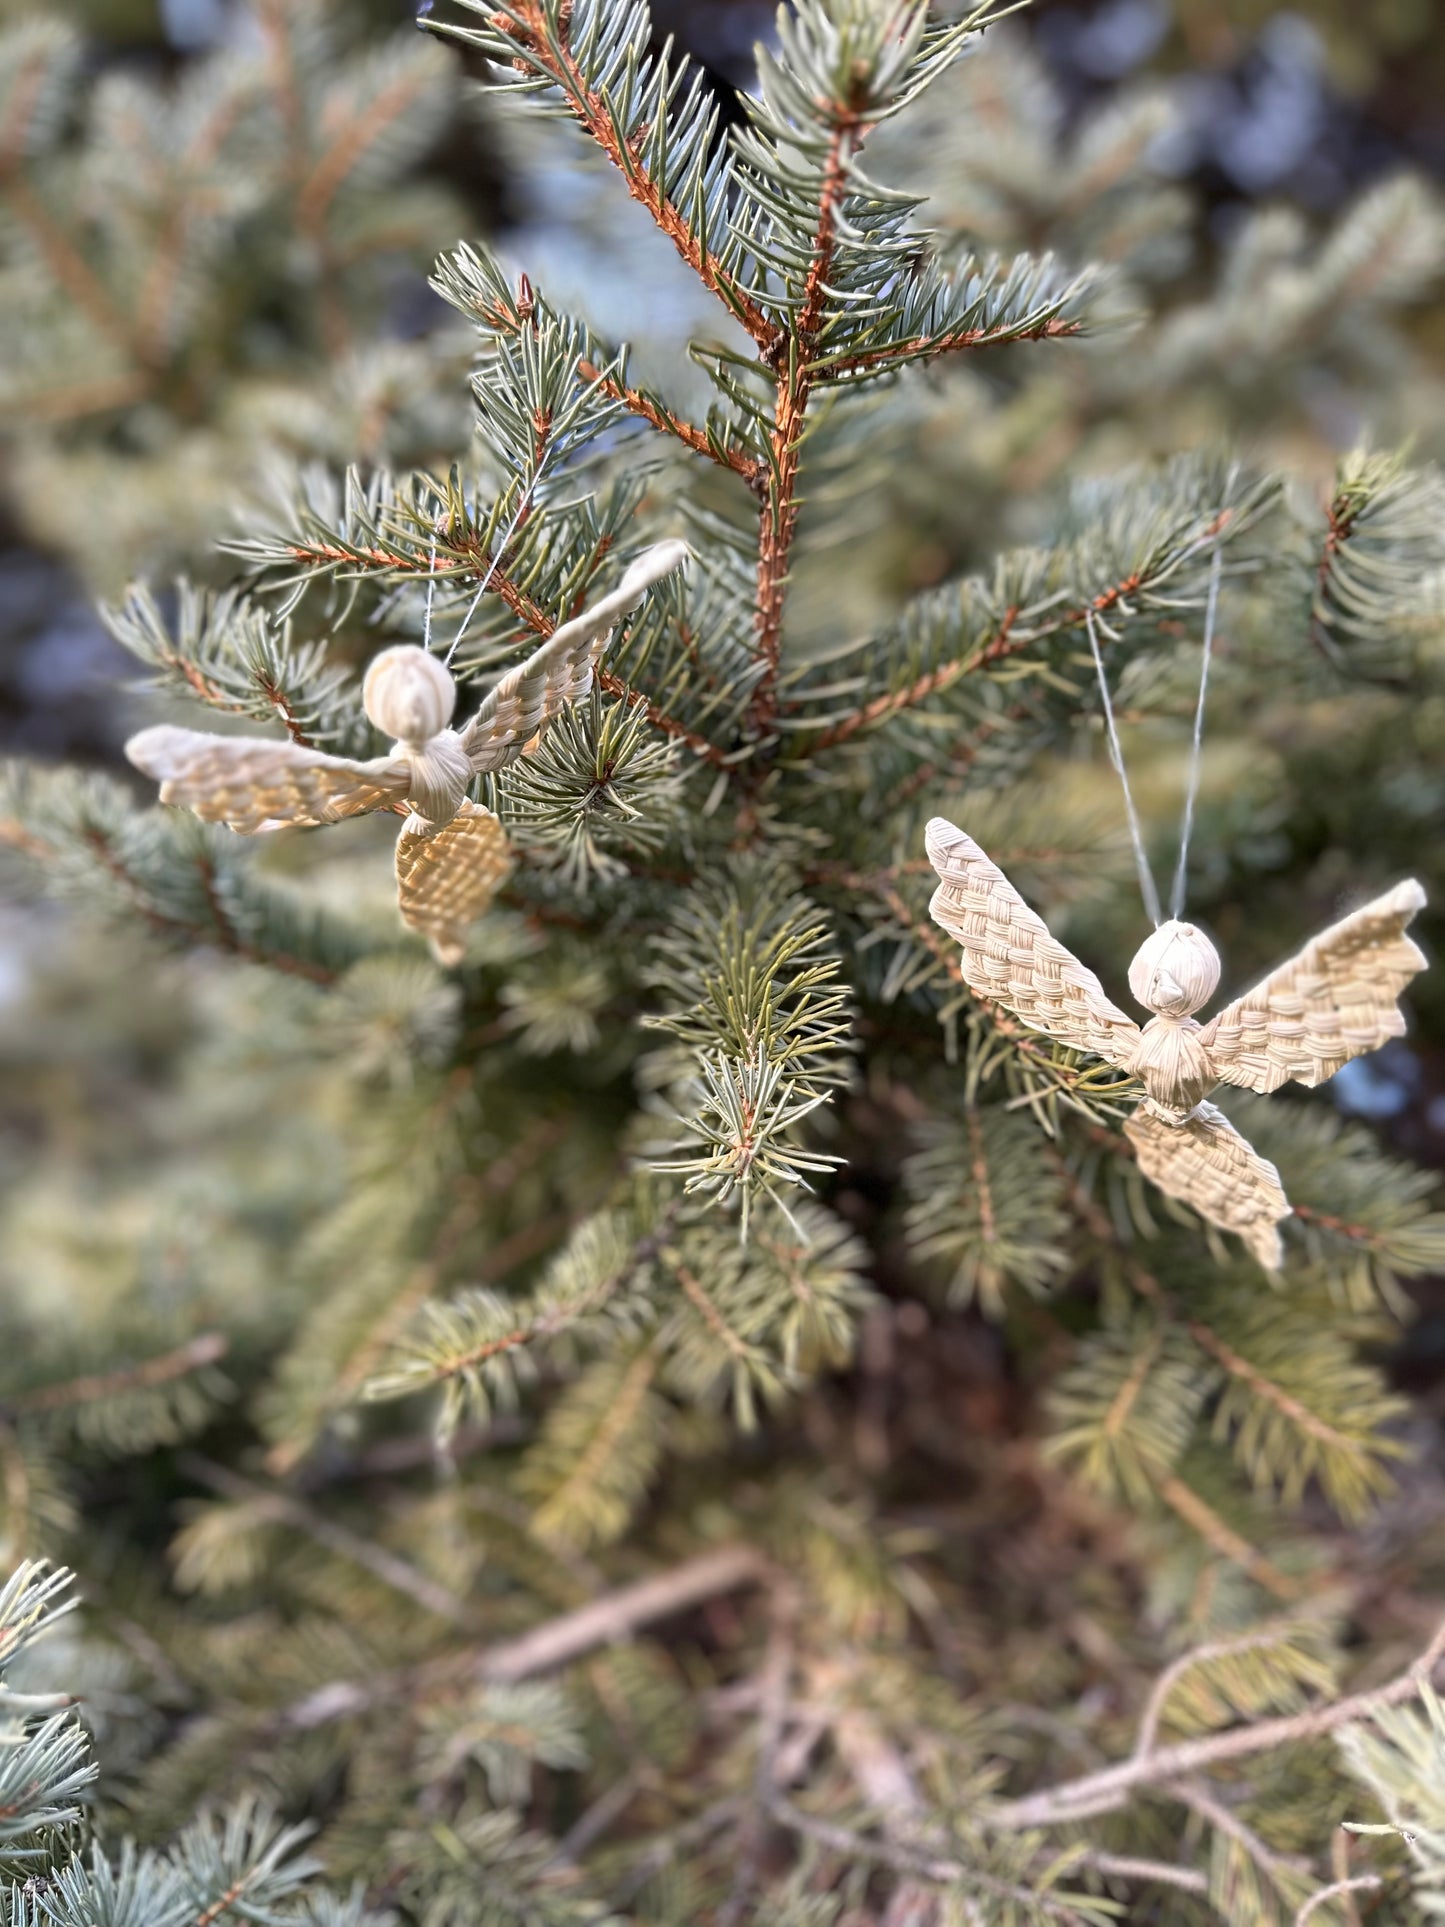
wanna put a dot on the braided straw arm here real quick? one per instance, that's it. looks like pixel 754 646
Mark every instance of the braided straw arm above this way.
pixel 1334 1001
pixel 444 882
pixel 1207 1164
pixel 1009 956
pixel 252 783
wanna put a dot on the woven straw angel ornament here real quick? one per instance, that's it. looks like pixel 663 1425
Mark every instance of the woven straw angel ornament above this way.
pixel 452 855
pixel 1310 1016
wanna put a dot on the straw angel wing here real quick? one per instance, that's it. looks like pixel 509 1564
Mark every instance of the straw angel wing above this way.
pixel 1336 1000
pixel 562 671
pixel 1010 956
pixel 1205 1163
pixel 251 784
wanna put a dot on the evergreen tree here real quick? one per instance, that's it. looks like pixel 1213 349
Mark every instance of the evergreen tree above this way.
pixel 689 1414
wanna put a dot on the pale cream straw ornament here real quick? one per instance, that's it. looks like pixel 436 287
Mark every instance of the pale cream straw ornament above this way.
pixel 452 855
pixel 1308 1018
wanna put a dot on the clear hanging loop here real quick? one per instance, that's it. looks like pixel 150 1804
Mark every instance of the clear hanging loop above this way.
pixel 1211 609
pixel 1147 887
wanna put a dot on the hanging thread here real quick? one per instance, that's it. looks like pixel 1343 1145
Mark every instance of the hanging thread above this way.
pixel 1176 894
pixel 500 550
pixel 431 589
pixel 1147 887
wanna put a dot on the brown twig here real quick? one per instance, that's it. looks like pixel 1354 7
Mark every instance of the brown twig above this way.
pixel 615 1617
pixel 919 1864
pixel 1363 1883
pixel 774 1688
pixel 281 1508
pixel 1200 1801
pixel 1107 1789
pixel 1200 1655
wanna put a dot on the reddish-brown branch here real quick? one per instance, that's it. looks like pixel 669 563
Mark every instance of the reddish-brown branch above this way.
pixel 201 1351
pixel 669 725
pixel 229 938
pixel 1342 1227
pixel 220 932
pixel 1007 641
pixel 224 1902
pixel 663 419
pixel 1201 1517
pixel 80 398
pixel 1339 527
pixel 326 178
pixel 924 686
pixel 925 346
pixel 983 1183
pixel 550 54
pixel 158 283
pixel 67 264
pixel 779 519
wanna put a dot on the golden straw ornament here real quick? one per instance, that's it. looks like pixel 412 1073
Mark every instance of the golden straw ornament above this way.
pixel 1334 1001
pixel 452 855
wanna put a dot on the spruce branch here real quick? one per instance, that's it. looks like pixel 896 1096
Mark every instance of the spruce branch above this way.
pixel 229 653
pixel 1283 1662
pixel 476 1347
pixel 1380 541
pixel 1154 535
pixel 948 341
pixel 658 415
pixel 185 882
pixel 655 125
pixel 206 1349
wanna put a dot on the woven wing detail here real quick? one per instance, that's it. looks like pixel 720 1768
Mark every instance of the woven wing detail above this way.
pixel 444 882
pixel 252 783
pixel 528 697
pixel 1207 1164
pixel 1334 1001
pixel 1010 957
